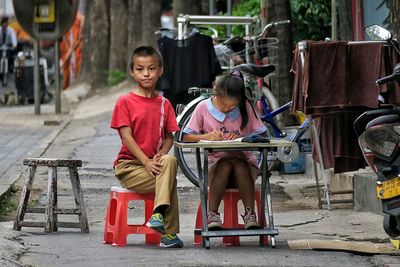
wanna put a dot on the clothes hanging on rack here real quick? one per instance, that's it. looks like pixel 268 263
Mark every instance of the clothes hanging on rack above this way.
pixel 335 85
pixel 187 63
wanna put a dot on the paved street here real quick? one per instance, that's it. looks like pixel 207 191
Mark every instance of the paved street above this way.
pixel 88 137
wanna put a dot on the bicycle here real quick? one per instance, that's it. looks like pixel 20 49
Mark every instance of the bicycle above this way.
pixel 268 106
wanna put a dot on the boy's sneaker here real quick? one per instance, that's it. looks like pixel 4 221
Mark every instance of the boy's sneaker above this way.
pixel 170 241
pixel 214 220
pixel 156 222
pixel 250 221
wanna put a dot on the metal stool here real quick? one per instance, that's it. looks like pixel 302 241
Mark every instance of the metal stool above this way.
pixel 51 211
pixel 231 198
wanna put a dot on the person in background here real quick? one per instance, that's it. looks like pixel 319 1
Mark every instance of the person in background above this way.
pixel 8 40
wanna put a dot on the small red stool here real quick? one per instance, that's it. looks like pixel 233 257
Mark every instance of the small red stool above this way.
pixel 230 199
pixel 116 228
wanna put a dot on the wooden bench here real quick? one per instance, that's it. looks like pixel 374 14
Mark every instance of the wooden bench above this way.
pixel 51 210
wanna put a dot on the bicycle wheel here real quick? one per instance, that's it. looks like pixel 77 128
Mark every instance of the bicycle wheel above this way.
pixel 4 79
pixel 272 102
pixel 185 157
pixel 4 73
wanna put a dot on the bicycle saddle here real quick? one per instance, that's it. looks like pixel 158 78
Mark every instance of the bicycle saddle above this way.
pixel 259 71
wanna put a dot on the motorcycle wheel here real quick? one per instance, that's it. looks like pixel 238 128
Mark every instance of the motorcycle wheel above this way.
pixel 390 225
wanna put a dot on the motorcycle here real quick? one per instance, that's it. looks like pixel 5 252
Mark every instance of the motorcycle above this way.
pixel 378 134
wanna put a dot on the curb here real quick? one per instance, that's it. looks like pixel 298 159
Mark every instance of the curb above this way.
pixel 17 170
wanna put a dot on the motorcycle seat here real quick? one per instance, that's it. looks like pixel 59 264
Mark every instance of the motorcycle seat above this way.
pixel 386 119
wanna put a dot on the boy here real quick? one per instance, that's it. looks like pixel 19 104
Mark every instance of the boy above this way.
pixel 145 122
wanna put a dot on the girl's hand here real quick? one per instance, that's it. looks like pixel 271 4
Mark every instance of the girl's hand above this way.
pixel 215 136
pixel 153 166
pixel 230 136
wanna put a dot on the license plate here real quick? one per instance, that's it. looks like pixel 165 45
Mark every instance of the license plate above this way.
pixel 388 189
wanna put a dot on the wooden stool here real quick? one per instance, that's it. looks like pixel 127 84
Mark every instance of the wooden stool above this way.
pixel 51 211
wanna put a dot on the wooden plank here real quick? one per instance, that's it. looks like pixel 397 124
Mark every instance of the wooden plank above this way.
pixel 235 144
pixel 68 225
pixel 23 203
pixel 50 216
pixel 67 211
pixel 78 196
pixel 33 224
pixel 340 245
pixel 36 210
pixel 52 162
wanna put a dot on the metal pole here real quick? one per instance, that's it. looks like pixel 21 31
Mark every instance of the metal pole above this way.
pixel 211 7
pixel 357 20
pixel 334 24
pixel 36 77
pixel 229 9
pixel 57 78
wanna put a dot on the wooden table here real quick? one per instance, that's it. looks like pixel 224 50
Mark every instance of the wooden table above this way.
pixel 213 146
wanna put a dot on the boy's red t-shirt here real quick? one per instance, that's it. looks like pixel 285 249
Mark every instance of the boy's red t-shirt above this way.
pixel 143 115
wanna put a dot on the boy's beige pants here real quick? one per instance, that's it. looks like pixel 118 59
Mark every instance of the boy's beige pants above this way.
pixel 133 175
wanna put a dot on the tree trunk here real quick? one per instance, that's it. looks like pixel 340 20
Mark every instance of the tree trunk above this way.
pixel 345 20
pixel 394 18
pixel 186 7
pixel 118 34
pixel 96 52
pixel 134 24
pixel 282 82
pixel 151 13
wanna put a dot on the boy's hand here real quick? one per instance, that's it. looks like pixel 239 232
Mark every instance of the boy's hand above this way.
pixel 153 166
pixel 215 136
pixel 158 156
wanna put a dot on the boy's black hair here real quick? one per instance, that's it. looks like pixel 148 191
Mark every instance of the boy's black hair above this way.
pixel 232 85
pixel 145 51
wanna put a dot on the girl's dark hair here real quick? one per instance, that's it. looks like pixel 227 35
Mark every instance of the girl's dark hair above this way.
pixel 232 85
pixel 145 51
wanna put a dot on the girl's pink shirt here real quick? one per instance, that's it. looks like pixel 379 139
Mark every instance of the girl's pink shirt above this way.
pixel 206 118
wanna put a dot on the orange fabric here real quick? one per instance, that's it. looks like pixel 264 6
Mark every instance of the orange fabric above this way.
pixel 21 34
pixel 71 51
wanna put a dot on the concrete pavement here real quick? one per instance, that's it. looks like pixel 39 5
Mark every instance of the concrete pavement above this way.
pixel 85 134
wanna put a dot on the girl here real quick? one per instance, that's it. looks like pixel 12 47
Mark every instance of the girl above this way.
pixel 226 116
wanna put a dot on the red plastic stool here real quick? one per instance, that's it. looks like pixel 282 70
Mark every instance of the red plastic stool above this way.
pixel 230 199
pixel 116 228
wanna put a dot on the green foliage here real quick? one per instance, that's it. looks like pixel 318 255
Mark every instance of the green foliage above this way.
pixel 8 204
pixel 114 77
pixel 311 19
pixel 249 8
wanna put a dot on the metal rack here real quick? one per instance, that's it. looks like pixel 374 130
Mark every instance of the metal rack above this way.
pixel 185 20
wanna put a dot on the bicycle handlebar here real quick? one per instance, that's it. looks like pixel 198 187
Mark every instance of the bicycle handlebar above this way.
pixel 271 25
pixel 386 79
pixel 392 77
